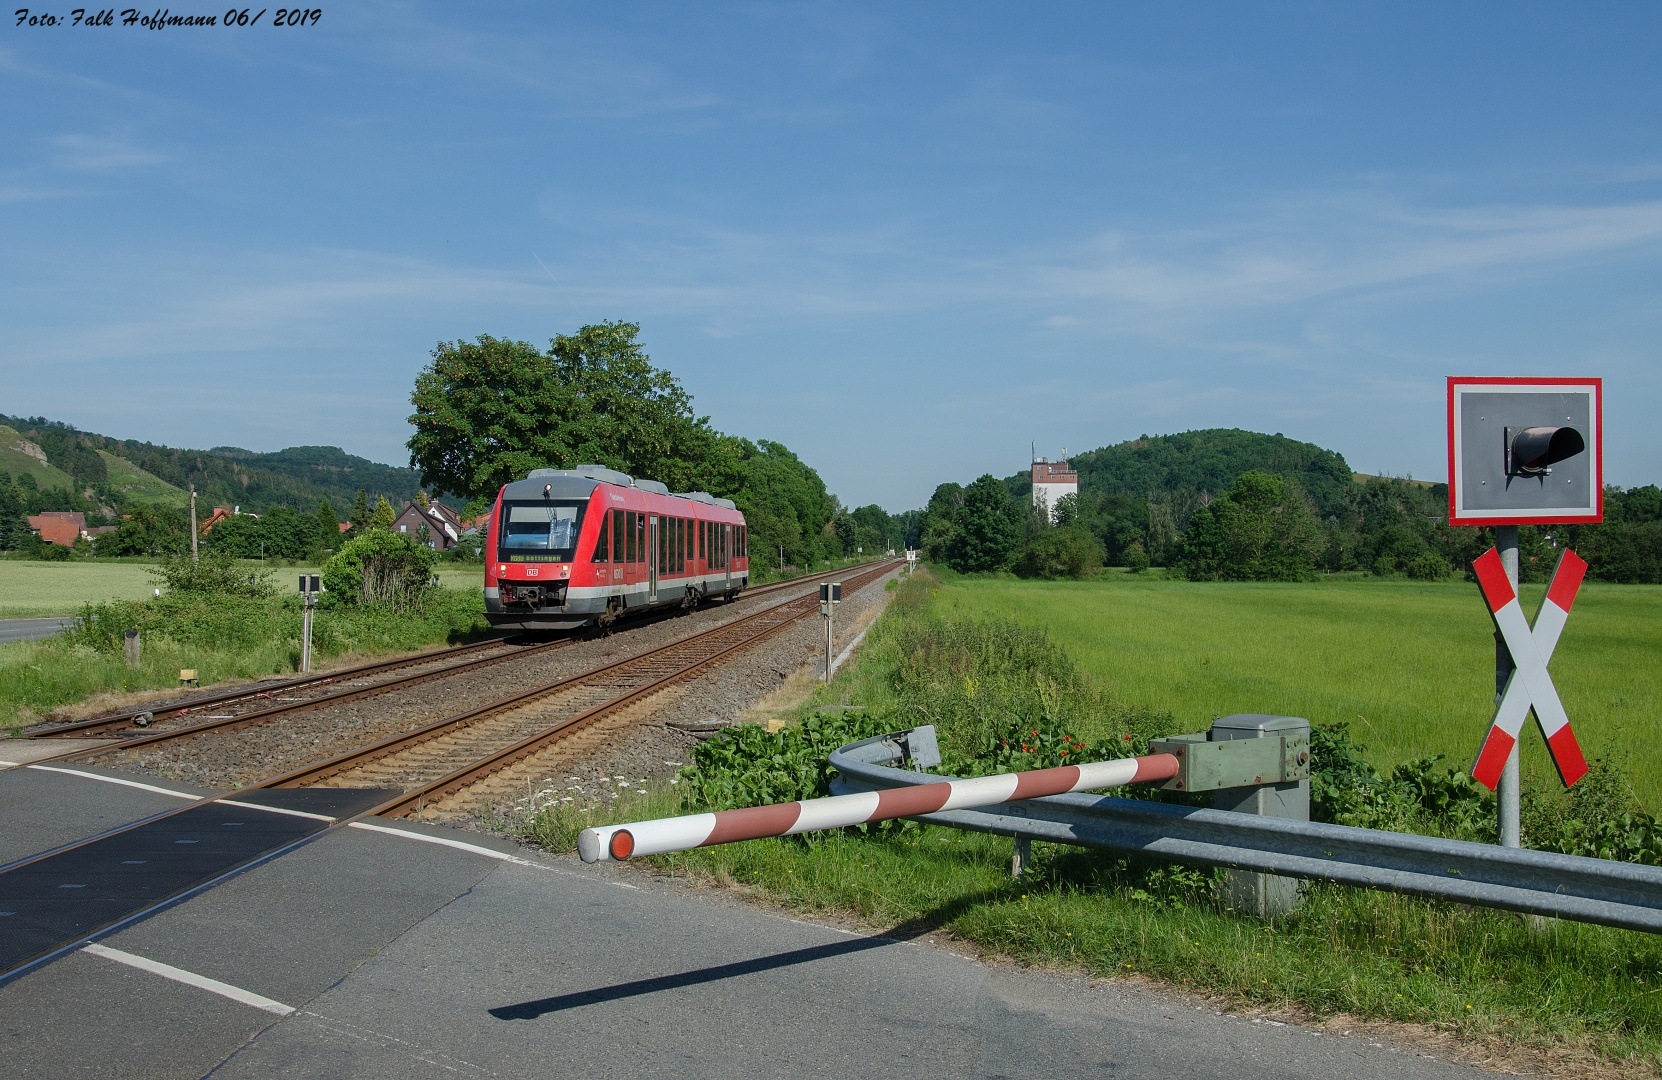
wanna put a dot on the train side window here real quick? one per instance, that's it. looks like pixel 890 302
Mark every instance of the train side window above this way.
pixel 628 536
pixel 640 538
pixel 603 546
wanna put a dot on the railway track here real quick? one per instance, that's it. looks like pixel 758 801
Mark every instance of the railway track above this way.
pixel 247 706
pixel 442 766
pixel 242 695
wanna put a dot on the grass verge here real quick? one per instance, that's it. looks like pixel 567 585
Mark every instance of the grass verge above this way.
pixel 1562 998
pixel 222 638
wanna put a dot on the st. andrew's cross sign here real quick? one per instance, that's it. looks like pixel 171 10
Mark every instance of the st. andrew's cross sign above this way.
pixel 1525 451
pixel 1530 684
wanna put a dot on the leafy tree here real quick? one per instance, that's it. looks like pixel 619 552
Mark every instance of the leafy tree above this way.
pixel 384 514
pixel 986 528
pixel 1136 558
pixel 1263 530
pixel 784 501
pixel 328 525
pixel 147 530
pixel 490 411
pixel 360 512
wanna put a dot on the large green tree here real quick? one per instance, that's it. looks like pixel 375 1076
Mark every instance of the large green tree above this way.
pixel 1264 529
pixel 489 411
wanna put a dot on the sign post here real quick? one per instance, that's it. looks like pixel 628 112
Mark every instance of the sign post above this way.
pixel 310 586
pixel 830 595
pixel 1525 452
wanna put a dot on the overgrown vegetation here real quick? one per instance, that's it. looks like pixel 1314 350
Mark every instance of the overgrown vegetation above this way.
pixel 224 619
pixel 1006 696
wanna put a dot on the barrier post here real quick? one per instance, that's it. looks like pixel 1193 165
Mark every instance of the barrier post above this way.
pixel 1264 895
pixel 130 646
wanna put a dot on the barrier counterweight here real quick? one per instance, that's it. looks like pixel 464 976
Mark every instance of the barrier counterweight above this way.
pixel 785 819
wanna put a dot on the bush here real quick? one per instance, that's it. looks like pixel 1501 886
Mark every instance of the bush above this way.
pixel 379 566
pixel 1136 557
pixel 1428 566
pixel 216 573
pixel 1062 552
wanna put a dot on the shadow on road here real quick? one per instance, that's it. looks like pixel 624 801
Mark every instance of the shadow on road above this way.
pixel 914 928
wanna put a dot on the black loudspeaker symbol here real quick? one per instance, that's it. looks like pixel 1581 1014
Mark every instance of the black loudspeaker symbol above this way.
pixel 1533 451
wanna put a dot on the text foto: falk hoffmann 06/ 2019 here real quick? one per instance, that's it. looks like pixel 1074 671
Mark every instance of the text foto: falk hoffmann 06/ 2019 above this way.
pixel 164 18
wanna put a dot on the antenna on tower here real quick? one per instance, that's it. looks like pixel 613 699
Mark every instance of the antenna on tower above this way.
pixel 1034 456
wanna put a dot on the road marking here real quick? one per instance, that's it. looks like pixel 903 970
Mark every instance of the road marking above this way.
pixel 116 780
pixel 277 810
pixel 475 848
pixel 190 978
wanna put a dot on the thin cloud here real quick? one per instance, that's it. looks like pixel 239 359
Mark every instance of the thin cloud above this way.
pixel 93 152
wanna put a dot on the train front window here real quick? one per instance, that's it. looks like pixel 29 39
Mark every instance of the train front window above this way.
pixel 541 531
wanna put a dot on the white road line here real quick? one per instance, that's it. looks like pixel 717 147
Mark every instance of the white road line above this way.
pixel 115 780
pixel 277 810
pixel 11 764
pixel 190 978
pixel 475 848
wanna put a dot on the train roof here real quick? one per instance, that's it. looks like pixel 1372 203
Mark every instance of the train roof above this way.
pixel 579 483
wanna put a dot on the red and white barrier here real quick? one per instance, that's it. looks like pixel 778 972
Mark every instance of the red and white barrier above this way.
pixel 1529 684
pixel 837 811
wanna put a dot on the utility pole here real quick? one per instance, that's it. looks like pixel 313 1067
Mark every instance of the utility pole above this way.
pixel 193 524
pixel 1508 804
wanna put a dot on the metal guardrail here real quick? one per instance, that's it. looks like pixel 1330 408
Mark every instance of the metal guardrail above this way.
pixel 1626 895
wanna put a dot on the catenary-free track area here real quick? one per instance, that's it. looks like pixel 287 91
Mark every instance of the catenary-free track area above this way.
pixel 376 953
pixel 266 933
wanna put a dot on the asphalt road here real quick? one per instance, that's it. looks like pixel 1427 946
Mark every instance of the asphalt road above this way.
pixel 31 629
pixel 402 958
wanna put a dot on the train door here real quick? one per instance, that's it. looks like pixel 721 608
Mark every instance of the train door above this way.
pixel 727 553
pixel 653 558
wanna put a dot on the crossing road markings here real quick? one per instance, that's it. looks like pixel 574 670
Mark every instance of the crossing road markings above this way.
pixel 1529 684
pixel 190 978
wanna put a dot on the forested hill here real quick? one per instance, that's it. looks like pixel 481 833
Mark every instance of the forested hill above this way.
pixel 1195 462
pixel 113 472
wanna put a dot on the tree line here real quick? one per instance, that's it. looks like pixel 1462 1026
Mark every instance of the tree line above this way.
pixel 1291 512
pixel 490 410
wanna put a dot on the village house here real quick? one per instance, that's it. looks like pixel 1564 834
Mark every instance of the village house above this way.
pixel 59 527
pixel 435 525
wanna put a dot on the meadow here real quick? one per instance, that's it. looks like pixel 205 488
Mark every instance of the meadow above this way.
pixel 30 588
pixel 1408 665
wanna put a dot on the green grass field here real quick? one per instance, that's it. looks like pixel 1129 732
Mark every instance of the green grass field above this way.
pixel 31 588
pixel 1409 665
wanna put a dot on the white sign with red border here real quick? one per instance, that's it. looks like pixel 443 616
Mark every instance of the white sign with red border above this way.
pixel 1525 451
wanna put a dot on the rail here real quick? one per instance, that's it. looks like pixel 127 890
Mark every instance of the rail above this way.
pixel 1626 895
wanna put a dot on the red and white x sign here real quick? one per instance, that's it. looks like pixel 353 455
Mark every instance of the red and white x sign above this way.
pixel 1529 684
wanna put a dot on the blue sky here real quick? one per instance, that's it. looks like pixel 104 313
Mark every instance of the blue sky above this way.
pixel 906 243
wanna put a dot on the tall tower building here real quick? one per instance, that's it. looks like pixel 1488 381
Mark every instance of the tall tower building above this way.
pixel 1051 481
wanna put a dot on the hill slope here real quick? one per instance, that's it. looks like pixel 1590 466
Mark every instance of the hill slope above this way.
pixel 118 471
pixel 1192 462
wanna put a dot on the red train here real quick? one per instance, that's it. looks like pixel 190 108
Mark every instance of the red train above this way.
pixel 574 547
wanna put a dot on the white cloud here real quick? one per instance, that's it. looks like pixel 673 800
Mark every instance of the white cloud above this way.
pixel 93 152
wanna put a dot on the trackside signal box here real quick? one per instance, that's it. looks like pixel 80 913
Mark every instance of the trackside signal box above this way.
pixel 1525 451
